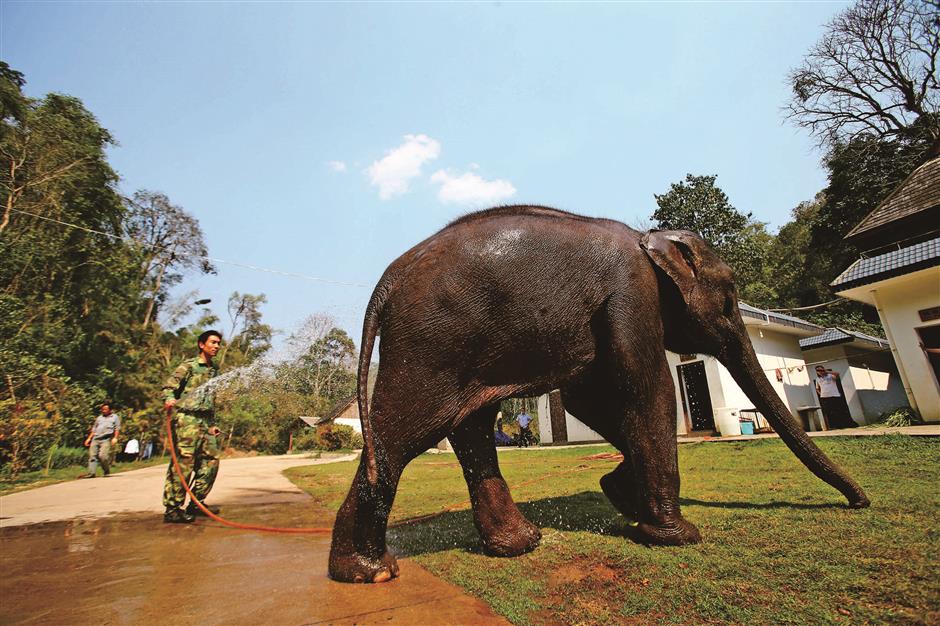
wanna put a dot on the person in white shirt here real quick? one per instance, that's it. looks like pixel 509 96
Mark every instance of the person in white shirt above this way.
pixel 831 399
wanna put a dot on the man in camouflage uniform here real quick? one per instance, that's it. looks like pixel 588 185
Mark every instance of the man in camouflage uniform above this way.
pixel 194 431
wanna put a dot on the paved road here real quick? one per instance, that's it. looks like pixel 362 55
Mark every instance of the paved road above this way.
pixel 245 481
pixel 104 556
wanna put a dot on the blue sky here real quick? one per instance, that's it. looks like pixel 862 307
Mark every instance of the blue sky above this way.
pixel 327 138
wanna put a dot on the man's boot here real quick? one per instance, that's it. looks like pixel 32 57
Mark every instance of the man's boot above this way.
pixel 195 511
pixel 174 515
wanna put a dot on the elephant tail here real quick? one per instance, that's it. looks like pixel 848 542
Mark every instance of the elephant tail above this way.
pixel 370 329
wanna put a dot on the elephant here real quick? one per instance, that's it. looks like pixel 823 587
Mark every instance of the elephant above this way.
pixel 520 300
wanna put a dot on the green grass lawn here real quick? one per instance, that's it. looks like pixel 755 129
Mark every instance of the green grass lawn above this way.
pixel 41 478
pixel 780 546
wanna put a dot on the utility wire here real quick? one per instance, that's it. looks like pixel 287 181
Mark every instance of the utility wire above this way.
pixel 197 256
pixel 807 308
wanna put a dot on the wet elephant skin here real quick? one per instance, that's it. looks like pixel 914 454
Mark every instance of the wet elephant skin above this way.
pixel 519 300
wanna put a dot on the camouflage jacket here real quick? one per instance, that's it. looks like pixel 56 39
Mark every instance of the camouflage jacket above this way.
pixel 188 385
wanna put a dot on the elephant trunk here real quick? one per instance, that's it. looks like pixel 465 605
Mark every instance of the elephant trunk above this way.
pixel 742 362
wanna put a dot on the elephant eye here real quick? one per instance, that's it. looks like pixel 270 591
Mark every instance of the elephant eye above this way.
pixel 729 305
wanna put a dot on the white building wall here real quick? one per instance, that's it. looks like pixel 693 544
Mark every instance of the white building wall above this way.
pixel 775 350
pixel 898 301
pixel 878 391
pixel 870 384
pixel 672 361
pixel 577 431
pixel 352 422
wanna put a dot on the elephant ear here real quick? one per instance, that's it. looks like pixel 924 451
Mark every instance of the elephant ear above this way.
pixel 675 253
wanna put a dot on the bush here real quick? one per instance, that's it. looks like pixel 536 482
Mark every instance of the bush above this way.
pixel 306 439
pixel 63 456
pixel 901 416
pixel 337 437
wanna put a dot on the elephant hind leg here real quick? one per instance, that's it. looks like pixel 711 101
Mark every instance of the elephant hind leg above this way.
pixel 620 488
pixel 404 428
pixel 358 553
pixel 590 401
pixel 503 529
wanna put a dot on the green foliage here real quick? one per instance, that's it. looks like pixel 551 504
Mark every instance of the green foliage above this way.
pixel 331 437
pixel 249 337
pixel 511 408
pixel 306 439
pixel 72 298
pixel 899 417
pixel 868 91
pixel 697 204
pixel 60 457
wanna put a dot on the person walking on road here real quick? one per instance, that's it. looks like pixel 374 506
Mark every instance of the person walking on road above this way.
pixel 103 434
pixel 525 435
pixel 195 435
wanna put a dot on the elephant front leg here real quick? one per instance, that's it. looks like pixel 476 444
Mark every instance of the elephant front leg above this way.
pixel 358 553
pixel 503 529
pixel 640 422
pixel 652 448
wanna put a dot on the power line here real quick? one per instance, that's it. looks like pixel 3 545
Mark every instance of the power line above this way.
pixel 195 256
pixel 807 308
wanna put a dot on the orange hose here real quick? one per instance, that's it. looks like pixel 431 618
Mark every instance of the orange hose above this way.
pixel 318 531
pixel 221 520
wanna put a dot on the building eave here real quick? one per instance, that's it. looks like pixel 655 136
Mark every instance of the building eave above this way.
pixel 866 271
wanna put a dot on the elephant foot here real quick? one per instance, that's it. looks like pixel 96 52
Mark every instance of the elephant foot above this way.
pixel 512 539
pixel 622 500
pixel 355 568
pixel 503 529
pixel 675 533
pixel 858 500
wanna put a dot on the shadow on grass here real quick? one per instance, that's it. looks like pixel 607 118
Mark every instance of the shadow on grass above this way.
pixel 587 511
pixel 763 505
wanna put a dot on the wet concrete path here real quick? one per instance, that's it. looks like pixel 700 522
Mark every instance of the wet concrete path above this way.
pixel 133 569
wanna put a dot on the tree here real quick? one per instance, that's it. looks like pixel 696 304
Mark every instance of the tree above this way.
pixel 170 241
pixel 248 338
pixel 873 74
pixel 13 104
pixel 798 284
pixel 323 364
pixel 697 204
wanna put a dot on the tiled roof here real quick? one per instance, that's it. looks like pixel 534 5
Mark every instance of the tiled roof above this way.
pixel 337 409
pixel 919 192
pixel 895 263
pixel 778 318
pixel 834 336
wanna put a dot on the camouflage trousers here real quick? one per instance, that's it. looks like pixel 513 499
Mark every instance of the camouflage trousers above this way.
pixel 198 453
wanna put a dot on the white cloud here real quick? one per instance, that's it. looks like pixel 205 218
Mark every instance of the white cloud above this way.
pixel 471 189
pixel 337 166
pixel 393 173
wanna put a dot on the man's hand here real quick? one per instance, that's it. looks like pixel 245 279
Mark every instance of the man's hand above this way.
pixel 215 431
pixel 168 405
pixel 88 442
pixel 114 441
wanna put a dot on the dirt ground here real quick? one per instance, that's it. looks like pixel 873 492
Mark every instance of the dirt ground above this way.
pixel 131 568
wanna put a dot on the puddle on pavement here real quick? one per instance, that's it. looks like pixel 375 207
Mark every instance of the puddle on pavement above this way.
pixel 128 569
pixel 135 569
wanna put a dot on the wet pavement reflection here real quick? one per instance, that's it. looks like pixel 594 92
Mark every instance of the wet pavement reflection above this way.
pixel 135 569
